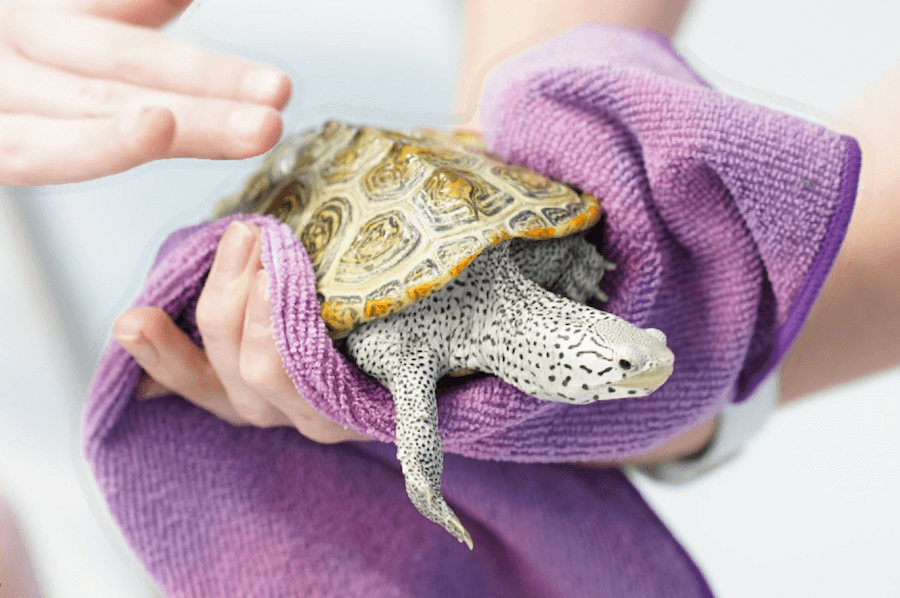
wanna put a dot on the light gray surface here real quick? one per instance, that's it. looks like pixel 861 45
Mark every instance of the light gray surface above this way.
pixel 809 510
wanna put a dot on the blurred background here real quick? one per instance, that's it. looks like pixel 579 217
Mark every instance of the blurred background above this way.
pixel 810 508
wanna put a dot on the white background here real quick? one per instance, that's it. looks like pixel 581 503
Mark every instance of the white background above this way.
pixel 810 509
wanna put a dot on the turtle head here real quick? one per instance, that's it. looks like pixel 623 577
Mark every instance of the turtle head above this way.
pixel 605 358
pixel 641 363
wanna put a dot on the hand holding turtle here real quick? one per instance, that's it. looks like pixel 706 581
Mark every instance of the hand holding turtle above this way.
pixel 240 377
pixel 89 90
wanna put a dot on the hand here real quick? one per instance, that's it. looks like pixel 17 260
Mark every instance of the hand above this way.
pixel 240 378
pixel 90 90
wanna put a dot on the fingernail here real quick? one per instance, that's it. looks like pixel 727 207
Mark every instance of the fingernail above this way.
pixel 247 122
pixel 235 248
pixel 263 85
pixel 140 348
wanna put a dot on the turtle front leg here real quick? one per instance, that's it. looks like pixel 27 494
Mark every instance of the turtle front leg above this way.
pixel 569 266
pixel 419 447
pixel 410 370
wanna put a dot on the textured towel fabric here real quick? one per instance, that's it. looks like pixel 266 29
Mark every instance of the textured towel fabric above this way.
pixel 724 219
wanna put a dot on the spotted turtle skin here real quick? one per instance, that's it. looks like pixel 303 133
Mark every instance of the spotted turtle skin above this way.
pixel 434 258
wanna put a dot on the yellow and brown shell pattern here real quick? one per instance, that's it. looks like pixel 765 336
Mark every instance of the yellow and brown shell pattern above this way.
pixel 388 218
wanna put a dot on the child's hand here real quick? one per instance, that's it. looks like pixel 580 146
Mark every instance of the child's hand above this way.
pixel 89 90
pixel 240 378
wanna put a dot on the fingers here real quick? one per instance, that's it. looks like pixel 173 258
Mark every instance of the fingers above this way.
pixel 234 319
pixel 75 88
pixel 36 150
pixel 223 301
pixel 177 365
pixel 149 13
pixel 108 50
pixel 240 378
pixel 203 127
pixel 220 318
pixel 262 370
pixel 167 354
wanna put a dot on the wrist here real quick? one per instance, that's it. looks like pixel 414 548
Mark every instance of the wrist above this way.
pixel 683 446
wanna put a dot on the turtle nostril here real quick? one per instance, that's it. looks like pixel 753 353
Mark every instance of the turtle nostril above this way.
pixel 624 364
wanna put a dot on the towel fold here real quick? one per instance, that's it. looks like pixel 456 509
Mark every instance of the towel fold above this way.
pixel 724 219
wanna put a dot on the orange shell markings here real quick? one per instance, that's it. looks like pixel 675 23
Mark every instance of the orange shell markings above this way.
pixel 338 318
pixel 501 202
pixel 455 270
pixel 589 218
pixel 378 308
pixel 419 292
pixel 540 233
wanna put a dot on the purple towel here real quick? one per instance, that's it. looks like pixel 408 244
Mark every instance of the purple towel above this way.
pixel 724 219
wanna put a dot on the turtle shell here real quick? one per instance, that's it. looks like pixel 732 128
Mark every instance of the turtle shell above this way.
pixel 388 218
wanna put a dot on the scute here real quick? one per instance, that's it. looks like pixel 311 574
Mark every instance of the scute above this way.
pixel 388 218
pixel 345 164
pixel 327 223
pixel 450 199
pixel 401 170
pixel 456 254
pixel 383 244
pixel 288 201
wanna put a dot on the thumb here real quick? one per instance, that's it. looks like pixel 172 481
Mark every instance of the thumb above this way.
pixel 147 13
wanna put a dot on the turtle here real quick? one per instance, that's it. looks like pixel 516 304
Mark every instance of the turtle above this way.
pixel 434 257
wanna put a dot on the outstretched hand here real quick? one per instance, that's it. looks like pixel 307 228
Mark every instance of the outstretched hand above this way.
pixel 240 377
pixel 89 89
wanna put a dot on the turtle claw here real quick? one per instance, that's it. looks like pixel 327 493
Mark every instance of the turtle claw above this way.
pixel 450 522
pixel 459 532
pixel 432 505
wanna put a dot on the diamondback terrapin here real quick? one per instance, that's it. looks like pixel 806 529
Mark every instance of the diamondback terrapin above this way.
pixel 432 257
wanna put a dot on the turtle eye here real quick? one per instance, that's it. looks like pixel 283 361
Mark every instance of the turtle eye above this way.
pixel 625 364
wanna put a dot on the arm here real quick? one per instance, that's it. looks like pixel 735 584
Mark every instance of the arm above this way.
pixel 498 29
pixel 17 579
pixel 854 327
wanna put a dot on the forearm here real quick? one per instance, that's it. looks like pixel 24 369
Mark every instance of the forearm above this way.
pixel 16 576
pixel 854 327
pixel 497 29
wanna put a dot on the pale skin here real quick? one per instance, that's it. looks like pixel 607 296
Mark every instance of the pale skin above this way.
pixel 90 89
pixel 854 328
pixel 17 578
